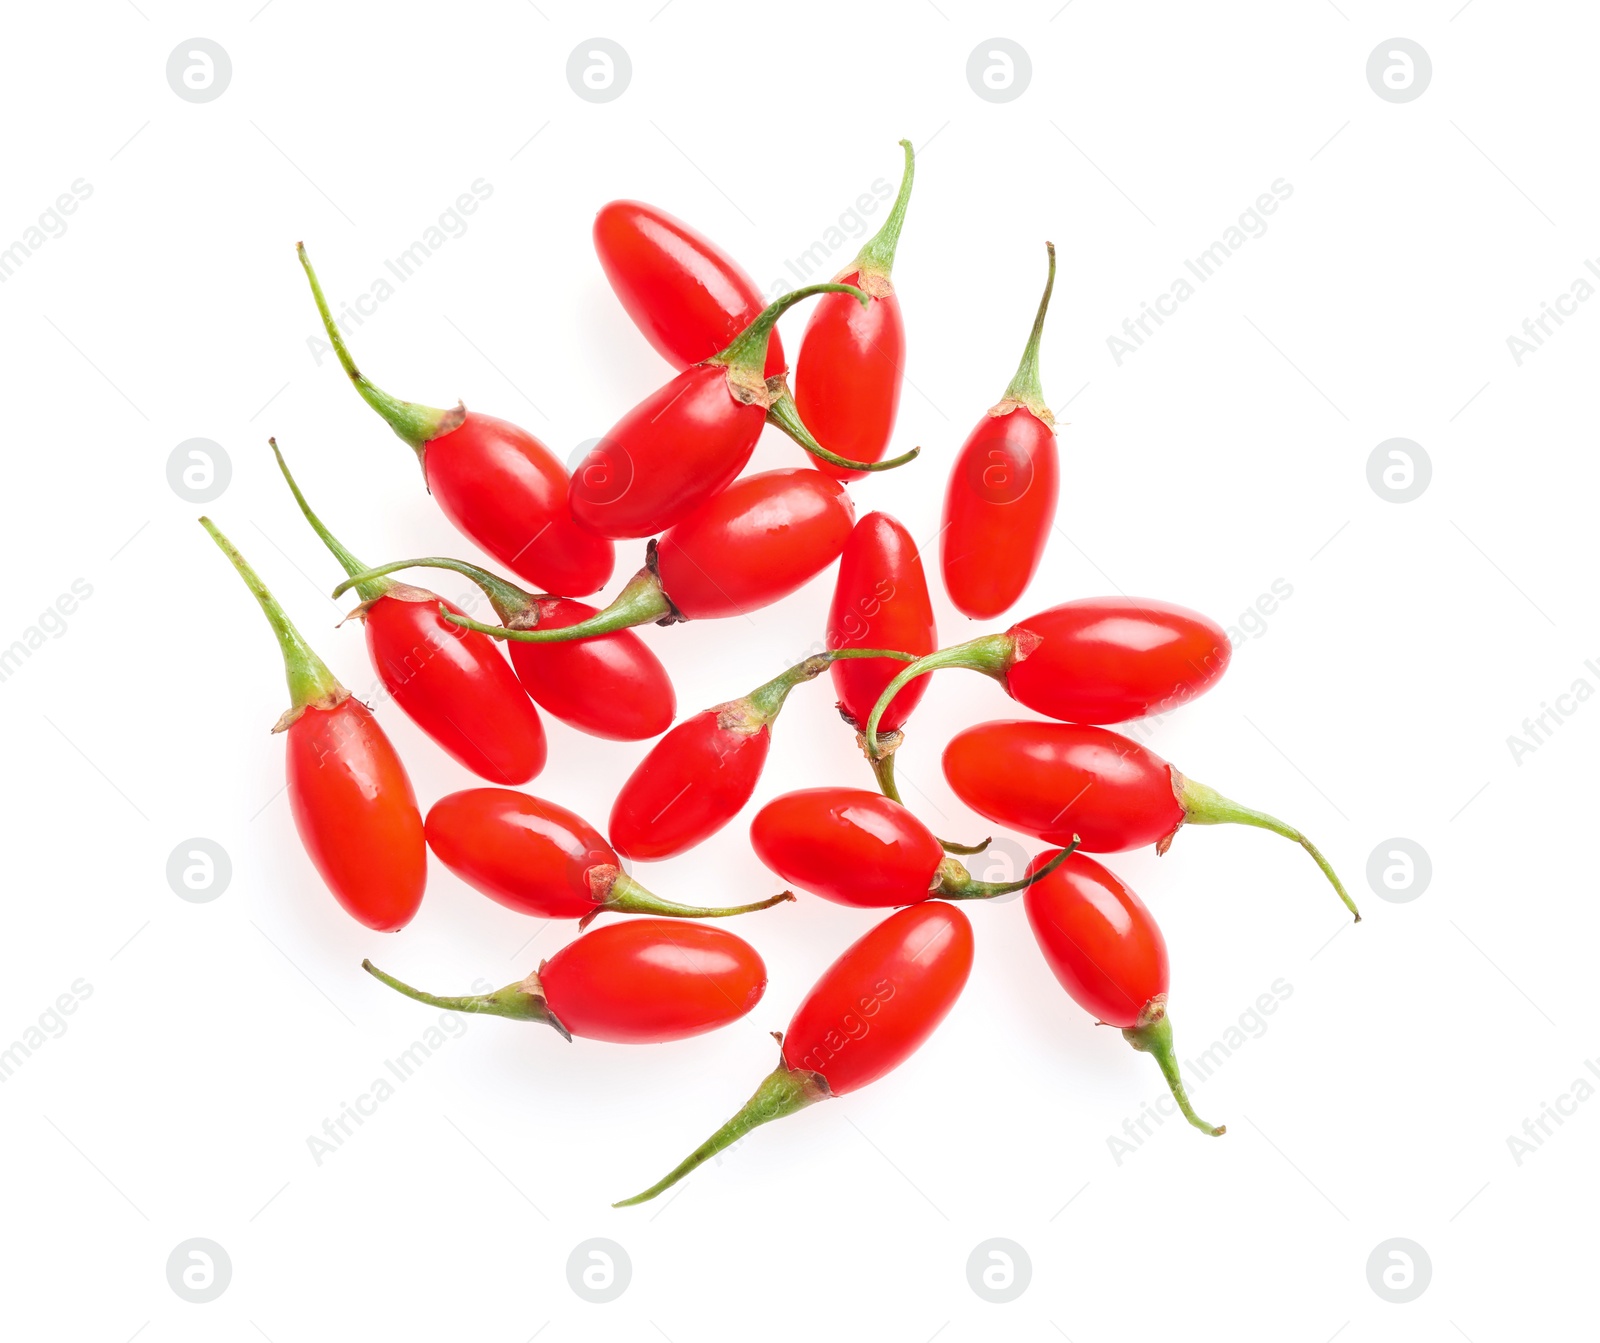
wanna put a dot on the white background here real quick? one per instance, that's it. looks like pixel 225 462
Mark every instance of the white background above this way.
pixel 1229 452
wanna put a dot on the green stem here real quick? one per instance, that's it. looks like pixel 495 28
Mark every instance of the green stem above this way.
pixel 765 701
pixel 616 891
pixel 414 424
pixel 1206 806
pixel 991 654
pixel 883 766
pixel 511 603
pixel 1154 1036
pixel 883 771
pixel 782 1093
pixel 641 602
pixel 746 354
pixel 310 681
pixel 956 883
pixel 370 589
pixel 877 257
pixel 785 415
pixel 965 850
pixel 522 1001
pixel 1025 389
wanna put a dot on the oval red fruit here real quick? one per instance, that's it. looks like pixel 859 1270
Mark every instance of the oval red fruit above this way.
pixel 847 845
pixel 880 600
pixel 880 1001
pixel 610 686
pixel 456 687
pixel 528 854
pixel 644 981
pixel 685 293
pixel 1055 780
pixel 762 538
pixel 1109 659
pixel 1098 938
pixel 357 816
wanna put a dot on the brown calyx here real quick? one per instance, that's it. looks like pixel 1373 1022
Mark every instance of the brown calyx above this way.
pixel 1040 412
pixel 290 717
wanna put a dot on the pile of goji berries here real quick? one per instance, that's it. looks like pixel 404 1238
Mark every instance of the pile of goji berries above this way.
pixel 723 544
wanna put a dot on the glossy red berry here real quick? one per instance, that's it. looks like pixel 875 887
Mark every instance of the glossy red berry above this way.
pixel 348 792
pixel 541 859
pixel 872 1009
pixel 852 359
pixel 1054 780
pixel 494 480
pixel 643 981
pixel 1096 660
pixel 1000 502
pixel 1108 954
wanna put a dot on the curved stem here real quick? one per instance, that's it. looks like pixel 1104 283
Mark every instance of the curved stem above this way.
pixel 1206 806
pixel 877 257
pixel 369 589
pixel 310 681
pixel 640 603
pixel 414 424
pixel 522 1001
pixel 765 701
pixel 883 771
pixel 956 883
pixel 785 415
pixel 1024 389
pixel 616 891
pixel 746 354
pixel 782 1093
pixel 1154 1036
pixel 965 850
pixel 991 654
pixel 510 602
pixel 883 765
